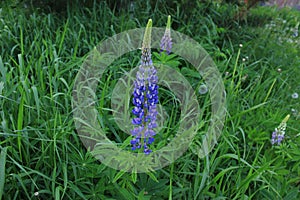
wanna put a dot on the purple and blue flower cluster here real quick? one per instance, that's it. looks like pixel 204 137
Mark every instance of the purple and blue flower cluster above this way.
pixel 145 99
pixel 145 94
pixel 277 137
pixel 278 134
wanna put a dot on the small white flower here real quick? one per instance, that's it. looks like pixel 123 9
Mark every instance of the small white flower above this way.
pixel 294 110
pixel 203 89
pixel 241 45
pixel 36 194
pixel 244 59
pixel 295 95
pixel 244 78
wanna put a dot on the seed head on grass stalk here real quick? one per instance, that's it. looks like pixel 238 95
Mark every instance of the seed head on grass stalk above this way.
pixel 145 98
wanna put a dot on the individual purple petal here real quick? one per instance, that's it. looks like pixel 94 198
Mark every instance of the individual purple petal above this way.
pixel 136 121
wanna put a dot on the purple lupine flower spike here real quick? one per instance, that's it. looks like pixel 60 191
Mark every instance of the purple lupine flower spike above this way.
pixel 166 40
pixel 278 134
pixel 145 98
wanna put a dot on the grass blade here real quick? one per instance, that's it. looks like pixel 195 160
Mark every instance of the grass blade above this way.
pixel 2 170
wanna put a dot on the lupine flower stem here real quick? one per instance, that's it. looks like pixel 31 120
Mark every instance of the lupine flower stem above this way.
pixel 166 40
pixel 278 134
pixel 145 98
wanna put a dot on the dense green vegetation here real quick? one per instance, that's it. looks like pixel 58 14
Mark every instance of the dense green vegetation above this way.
pixel 42 50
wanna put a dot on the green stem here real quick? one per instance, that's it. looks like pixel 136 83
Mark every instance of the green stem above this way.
pixel 171 181
pixel 235 69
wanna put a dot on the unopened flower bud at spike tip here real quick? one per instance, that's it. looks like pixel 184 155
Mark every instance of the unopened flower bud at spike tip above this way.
pixel 285 119
pixel 149 24
pixel 169 22
pixel 147 35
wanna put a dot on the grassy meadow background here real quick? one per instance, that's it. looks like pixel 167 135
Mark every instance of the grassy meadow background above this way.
pixel 42 47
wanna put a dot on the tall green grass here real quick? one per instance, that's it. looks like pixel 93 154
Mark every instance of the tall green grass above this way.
pixel 42 156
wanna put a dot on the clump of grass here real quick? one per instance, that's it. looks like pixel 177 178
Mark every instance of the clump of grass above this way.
pixel 41 155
